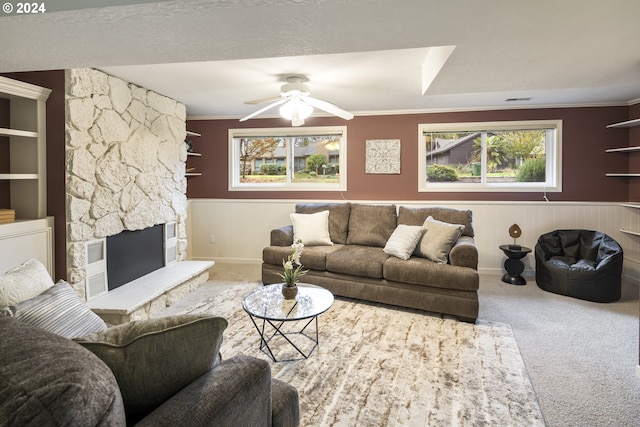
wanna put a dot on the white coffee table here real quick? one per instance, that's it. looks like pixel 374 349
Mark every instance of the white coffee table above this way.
pixel 267 304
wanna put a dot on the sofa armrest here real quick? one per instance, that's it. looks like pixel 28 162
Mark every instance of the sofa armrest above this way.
pixel 236 392
pixel 464 253
pixel 282 236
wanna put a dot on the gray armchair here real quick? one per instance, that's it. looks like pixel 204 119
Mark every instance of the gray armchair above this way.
pixel 48 380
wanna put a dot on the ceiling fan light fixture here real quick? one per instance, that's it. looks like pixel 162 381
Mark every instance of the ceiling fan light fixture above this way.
pixel 296 111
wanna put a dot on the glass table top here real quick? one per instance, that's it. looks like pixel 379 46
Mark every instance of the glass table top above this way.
pixel 268 303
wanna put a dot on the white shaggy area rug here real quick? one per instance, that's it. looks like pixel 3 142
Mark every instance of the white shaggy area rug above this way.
pixel 380 365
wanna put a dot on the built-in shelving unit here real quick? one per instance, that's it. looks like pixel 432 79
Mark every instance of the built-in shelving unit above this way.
pixel 23 140
pixel 625 124
pixel 192 154
pixel 26 137
pixel 632 206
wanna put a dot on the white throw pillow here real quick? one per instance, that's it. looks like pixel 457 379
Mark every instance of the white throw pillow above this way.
pixel 403 241
pixel 438 239
pixel 312 229
pixel 26 281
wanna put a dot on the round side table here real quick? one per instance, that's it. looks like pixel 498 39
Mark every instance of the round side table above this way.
pixel 513 264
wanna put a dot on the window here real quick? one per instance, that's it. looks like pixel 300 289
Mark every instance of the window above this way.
pixel 287 159
pixel 493 156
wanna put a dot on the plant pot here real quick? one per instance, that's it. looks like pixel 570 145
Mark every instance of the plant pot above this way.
pixel 289 292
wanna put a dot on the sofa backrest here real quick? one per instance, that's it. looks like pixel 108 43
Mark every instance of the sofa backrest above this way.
pixel 417 216
pixel 338 218
pixel 371 225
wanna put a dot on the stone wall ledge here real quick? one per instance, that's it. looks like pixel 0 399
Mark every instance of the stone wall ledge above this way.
pixel 144 297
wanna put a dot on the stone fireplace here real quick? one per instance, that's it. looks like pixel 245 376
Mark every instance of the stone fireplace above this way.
pixel 125 165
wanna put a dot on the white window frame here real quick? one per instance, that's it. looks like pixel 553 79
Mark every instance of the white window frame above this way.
pixel 553 155
pixel 234 159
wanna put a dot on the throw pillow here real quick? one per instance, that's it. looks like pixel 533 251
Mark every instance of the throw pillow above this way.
pixel 154 359
pixel 403 241
pixel 312 229
pixel 28 280
pixel 59 310
pixel 438 240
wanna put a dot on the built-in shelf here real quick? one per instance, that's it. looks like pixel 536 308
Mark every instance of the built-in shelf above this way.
pixel 25 148
pixel 622 150
pixel 192 154
pixel 625 124
pixel 633 233
pixel 17 132
pixel 13 176
pixel 624 174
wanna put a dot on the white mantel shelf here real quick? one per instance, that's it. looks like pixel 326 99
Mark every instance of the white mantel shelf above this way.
pixel 128 300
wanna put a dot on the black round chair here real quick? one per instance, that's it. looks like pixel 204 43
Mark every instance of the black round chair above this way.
pixel 582 264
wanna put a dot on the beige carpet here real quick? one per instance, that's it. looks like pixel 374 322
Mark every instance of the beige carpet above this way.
pixel 379 365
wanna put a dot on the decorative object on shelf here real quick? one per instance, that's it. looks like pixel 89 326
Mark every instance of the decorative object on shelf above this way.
pixel 189 145
pixel 382 156
pixel 515 232
pixel 7 215
pixel 292 271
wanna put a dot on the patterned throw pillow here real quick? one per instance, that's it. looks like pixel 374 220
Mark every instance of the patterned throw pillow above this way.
pixel 59 310
pixel 403 241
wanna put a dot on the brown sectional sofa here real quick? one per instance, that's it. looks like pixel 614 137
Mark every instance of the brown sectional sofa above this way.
pixel 356 265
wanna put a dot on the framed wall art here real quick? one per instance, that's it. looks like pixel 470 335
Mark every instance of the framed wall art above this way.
pixel 382 156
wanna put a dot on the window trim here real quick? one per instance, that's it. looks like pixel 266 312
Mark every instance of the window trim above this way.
pixel 553 156
pixel 234 166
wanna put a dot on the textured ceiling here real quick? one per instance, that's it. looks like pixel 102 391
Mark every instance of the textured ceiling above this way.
pixel 365 56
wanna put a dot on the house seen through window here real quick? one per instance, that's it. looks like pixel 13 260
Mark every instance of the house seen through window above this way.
pixel 288 159
pixel 496 156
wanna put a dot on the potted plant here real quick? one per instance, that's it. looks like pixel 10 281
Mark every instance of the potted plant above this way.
pixel 292 270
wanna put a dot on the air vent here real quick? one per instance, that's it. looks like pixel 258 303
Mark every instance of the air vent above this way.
pixel 96 285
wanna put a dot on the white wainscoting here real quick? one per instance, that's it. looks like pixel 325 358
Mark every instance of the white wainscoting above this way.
pixel 240 228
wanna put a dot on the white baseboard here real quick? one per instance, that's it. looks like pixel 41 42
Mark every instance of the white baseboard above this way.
pixel 219 260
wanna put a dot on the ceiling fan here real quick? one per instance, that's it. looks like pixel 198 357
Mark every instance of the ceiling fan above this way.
pixel 296 104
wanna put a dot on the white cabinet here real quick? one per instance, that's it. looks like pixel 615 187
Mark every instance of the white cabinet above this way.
pixel 26 139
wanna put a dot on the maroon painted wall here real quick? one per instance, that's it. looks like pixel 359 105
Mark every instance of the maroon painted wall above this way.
pixel 54 80
pixel 585 138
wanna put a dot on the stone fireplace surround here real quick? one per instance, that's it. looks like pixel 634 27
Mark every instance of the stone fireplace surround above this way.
pixel 125 170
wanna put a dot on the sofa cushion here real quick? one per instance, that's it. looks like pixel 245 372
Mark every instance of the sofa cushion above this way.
pixel 403 241
pixel 338 218
pixel 48 380
pixel 59 310
pixel 417 216
pixel 438 240
pixel 371 225
pixel 313 257
pixel 154 359
pixel 355 260
pixel 421 271
pixel 311 229
pixel 25 281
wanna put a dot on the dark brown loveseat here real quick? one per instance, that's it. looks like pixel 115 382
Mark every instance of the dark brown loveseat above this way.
pixel 356 264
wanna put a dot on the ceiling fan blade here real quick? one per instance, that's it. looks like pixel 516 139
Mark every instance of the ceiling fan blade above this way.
pixel 328 107
pixel 262 110
pixel 263 100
